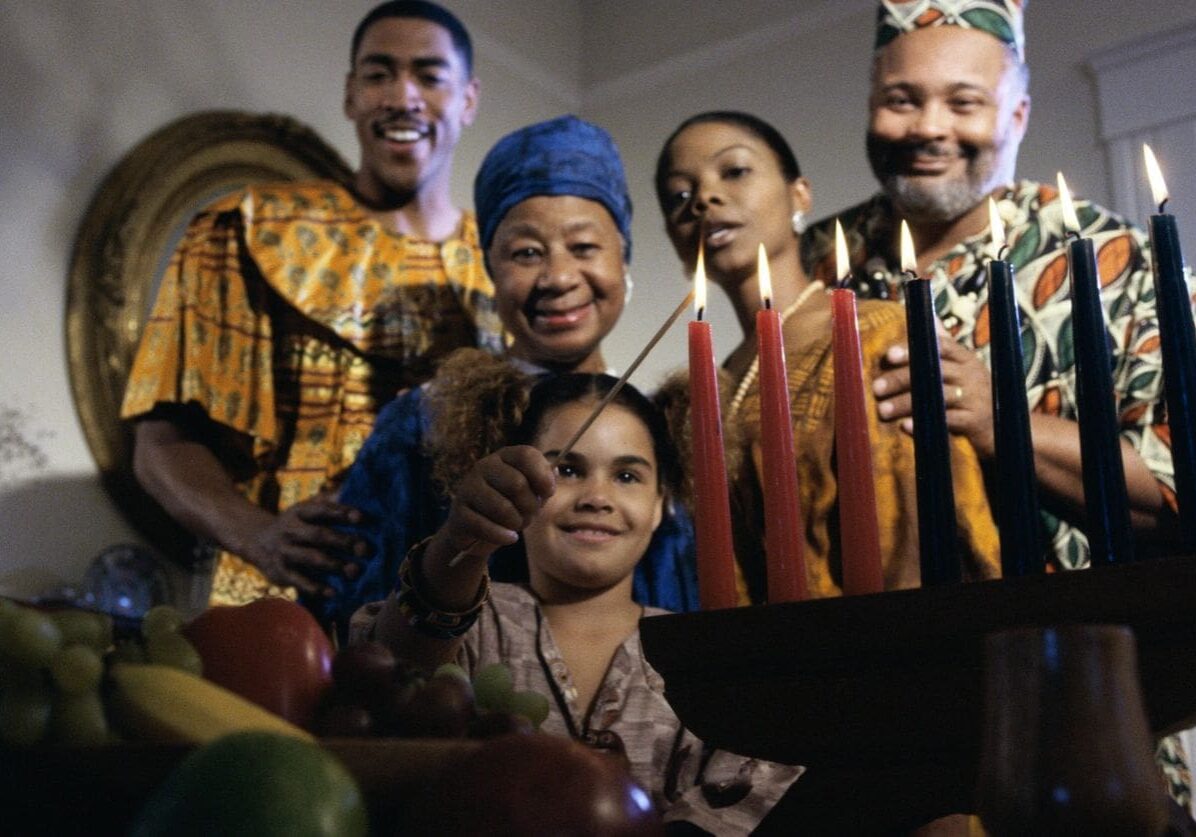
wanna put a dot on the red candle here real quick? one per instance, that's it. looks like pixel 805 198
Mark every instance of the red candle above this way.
pixel 782 513
pixel 712 509
pixel 859 531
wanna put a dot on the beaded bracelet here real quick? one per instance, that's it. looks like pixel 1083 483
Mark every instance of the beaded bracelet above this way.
pixel 424 616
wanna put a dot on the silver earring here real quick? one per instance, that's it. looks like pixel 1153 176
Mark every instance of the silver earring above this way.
pixel 799 222
pixel 628 287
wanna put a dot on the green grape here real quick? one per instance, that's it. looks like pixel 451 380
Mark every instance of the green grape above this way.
pixel 79 719
pixel 76 669
pixel 24 715
pixel 492 687
pixel 30 638
pixel 452 670
pixel 82 627
pixel 531 705
pixel 162 619
pixel 172 649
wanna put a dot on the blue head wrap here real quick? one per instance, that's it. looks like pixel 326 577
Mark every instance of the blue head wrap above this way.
pixel 563 156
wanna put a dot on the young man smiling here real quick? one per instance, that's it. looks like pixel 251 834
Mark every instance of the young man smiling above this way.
pixel 410 92
pixel 290 313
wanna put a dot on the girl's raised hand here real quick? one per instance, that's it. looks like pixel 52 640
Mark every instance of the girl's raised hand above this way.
pixel 497 498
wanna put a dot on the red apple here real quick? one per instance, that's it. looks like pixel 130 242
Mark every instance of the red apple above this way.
pixel 271 651
pixel 537 784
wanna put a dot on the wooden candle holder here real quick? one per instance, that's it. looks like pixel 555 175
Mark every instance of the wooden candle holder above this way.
pixel 880 696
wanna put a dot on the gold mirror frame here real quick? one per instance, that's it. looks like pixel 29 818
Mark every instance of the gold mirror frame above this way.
pixel 122 246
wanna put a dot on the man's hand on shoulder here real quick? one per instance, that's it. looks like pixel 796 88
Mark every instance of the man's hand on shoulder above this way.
pixel 300 545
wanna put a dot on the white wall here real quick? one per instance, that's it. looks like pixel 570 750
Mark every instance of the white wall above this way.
pixel 85 80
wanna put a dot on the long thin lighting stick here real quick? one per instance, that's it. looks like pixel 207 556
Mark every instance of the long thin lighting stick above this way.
pixel 606 399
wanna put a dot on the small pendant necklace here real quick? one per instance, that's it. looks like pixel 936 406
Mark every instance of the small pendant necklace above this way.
pixel 749 377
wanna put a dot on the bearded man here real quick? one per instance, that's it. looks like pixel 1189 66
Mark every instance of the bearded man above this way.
pixel 949 106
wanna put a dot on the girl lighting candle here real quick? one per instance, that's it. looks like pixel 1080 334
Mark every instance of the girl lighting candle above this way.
pixel 932 451
pixel 782 524
pixel 712 509
pixel 1178 336
pixel 1017 485
pixel 860 534
pixel 1106 500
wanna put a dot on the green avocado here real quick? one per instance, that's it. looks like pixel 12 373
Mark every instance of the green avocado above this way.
pixel 258 784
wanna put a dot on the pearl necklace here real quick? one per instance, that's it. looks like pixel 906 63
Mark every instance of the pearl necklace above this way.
pixel 749 377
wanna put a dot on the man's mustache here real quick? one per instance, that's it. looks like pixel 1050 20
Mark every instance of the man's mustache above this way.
pixel 934 149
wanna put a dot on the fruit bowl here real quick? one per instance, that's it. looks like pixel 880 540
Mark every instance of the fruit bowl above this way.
pixel 98 790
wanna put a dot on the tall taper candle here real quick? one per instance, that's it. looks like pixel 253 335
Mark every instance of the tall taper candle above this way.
pixel 859 532
pixel 1178 336
pixel 1106 501
pixel 782 509
pixel 1017 485
pixel 712 509
pixel 937 525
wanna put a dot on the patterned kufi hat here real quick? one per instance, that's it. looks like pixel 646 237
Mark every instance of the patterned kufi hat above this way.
pixel 563 156
pixel 1000 18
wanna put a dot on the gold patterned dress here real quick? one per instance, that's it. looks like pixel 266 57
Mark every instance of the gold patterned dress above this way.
pixel 811 394
pixel 290 316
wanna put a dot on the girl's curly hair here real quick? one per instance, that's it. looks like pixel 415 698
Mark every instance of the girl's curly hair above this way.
pixel 475 404
pixel 478 403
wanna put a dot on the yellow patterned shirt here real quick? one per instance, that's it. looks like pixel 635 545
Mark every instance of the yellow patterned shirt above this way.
pixel 289 316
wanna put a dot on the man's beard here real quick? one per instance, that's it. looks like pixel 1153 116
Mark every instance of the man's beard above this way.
pixel 931 200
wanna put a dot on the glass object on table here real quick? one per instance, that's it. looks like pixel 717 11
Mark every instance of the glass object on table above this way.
pixel 1066 748
pixel 127 580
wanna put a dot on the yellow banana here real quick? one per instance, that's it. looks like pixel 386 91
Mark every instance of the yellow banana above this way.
pixel 161 703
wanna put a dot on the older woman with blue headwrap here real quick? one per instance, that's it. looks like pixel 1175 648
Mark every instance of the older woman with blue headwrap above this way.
pixel 554 218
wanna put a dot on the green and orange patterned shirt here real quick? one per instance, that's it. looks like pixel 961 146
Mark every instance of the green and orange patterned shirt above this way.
pixel 290 316
pixel 1034 223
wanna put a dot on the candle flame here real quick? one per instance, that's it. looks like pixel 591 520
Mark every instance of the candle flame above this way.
pixel 842 264
pixel 909 259
pixel 997 229
pixel 1070 220
pixel 1158 187
pixel 764 277
pixel 700 282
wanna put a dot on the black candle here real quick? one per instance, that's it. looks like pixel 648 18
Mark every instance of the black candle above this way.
pixel 1178 336
pixel 1017 485
pixel 1106 502
pixel 932 452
